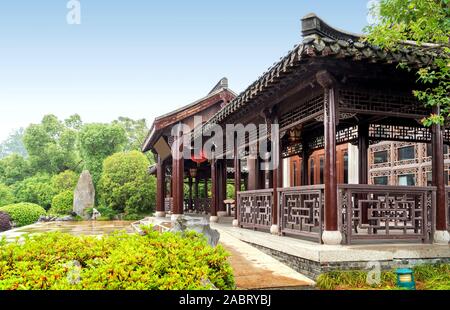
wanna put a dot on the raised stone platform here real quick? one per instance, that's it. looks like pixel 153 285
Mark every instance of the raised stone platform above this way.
pixel 312 259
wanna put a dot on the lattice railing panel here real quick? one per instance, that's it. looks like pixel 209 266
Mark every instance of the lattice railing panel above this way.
pixel 386 212
pixel 308 108
pixel 301 211
pixel 197 205
pixel 255 209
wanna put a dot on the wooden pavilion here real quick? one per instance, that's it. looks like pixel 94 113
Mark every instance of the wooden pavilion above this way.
pixel 329 90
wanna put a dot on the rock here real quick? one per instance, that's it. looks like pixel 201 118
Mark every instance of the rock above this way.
pixel 46 218
pixel 95 214
pixel 67 218
pixel 5 222
pixel 199 225
pixel 84 195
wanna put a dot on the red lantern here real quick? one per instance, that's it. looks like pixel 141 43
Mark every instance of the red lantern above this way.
pixel 199 158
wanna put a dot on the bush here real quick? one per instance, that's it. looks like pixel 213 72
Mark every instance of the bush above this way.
pixel 125 184
pixel 65 181
pixel 6 195
pixel 23 214
pixel 62 204
pixel 5 221
pixel 157 261
pixel 37 190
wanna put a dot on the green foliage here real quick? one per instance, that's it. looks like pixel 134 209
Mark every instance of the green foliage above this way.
pixel 136 131
pixel 37 189
pixel 115 262
pixel 13 144
pixel 428 277
pixel 14 168
pixel 422 21
pixel 65 181
pixel 23 214
pixel 107 214
pixel 51 146
pixel 6 195
pixel 125 184
pixel 97 142
pixel 62 204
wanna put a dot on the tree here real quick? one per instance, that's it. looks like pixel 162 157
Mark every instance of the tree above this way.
pixel 14 168
pixel 74 122
pixel 126 185
pixel 37 189
pixel 97 142
pixel 65 181
pixel 423 22
pixel 13 144
pixel 51 146
pixel 136 131
pixel 6 195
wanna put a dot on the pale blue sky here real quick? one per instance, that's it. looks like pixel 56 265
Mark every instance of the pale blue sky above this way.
pixel 142 58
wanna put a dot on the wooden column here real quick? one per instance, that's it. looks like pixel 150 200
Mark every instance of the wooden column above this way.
pixel 363 165
pixel 190 183
pixel 178 181
pixel 237 179
pixel 276 172
pixel 205 188
pixel 437 142
pixel 160 186
pixel 223 185
pixel 331 234
pixel 214 200
pixel 363 153
pixel 196 188
pixel 253 175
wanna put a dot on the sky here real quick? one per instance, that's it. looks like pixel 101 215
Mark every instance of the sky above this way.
pixel 143 58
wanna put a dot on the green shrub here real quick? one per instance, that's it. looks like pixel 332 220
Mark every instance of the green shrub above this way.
pixel 65 181
pixel 6 195
pixel 125 184
pixel 157 261
pixel 37 190
pixel 23 214
pixel 62 204
pixel 107 214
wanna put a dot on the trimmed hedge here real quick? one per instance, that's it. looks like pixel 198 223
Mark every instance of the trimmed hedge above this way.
pixel 23 214
pixel 62 204
pixel 156 261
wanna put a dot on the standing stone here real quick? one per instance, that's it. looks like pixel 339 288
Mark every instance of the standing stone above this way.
pixel 84 196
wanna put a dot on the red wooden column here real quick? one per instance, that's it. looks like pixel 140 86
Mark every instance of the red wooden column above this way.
pixel 276 172
pixel 160 188
pixel 222 186
pixel 363 165
pixel 253 175
pixel 178 181
pixel 214 188
pixel 237 182
pixel 441 235
pixel 190 184
pixel 331 235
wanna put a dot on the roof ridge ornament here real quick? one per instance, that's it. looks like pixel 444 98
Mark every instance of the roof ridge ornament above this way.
pixel 314 26
pixel 223 83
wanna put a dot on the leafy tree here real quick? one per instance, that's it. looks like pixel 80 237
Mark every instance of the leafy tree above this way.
pixel 14 168
pixel 13 144
pixel 136 131
pixel 6 195
pixel 65 181
pixel 97 142
pixel 74 122
pixel 421 21
pixel 125 185
pixel 37 189
pixel 62 204
pixel 51 146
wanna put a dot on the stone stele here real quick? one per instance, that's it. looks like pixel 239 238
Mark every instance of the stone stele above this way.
pixel 84 196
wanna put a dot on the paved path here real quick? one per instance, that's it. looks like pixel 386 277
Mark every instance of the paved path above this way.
pixel 254 269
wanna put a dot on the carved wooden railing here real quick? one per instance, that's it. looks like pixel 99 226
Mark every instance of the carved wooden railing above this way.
pixel 301 211
pixel 255 209
pixel 371 212
pixel 197 205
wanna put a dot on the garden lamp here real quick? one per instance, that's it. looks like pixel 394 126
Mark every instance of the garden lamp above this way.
pixel 405 278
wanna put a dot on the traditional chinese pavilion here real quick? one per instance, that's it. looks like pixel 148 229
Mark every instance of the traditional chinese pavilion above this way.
pixel 331 89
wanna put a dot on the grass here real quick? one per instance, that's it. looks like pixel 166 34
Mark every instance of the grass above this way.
pixel 427 277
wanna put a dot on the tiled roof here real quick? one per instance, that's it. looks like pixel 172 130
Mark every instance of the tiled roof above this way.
pixel 321 40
